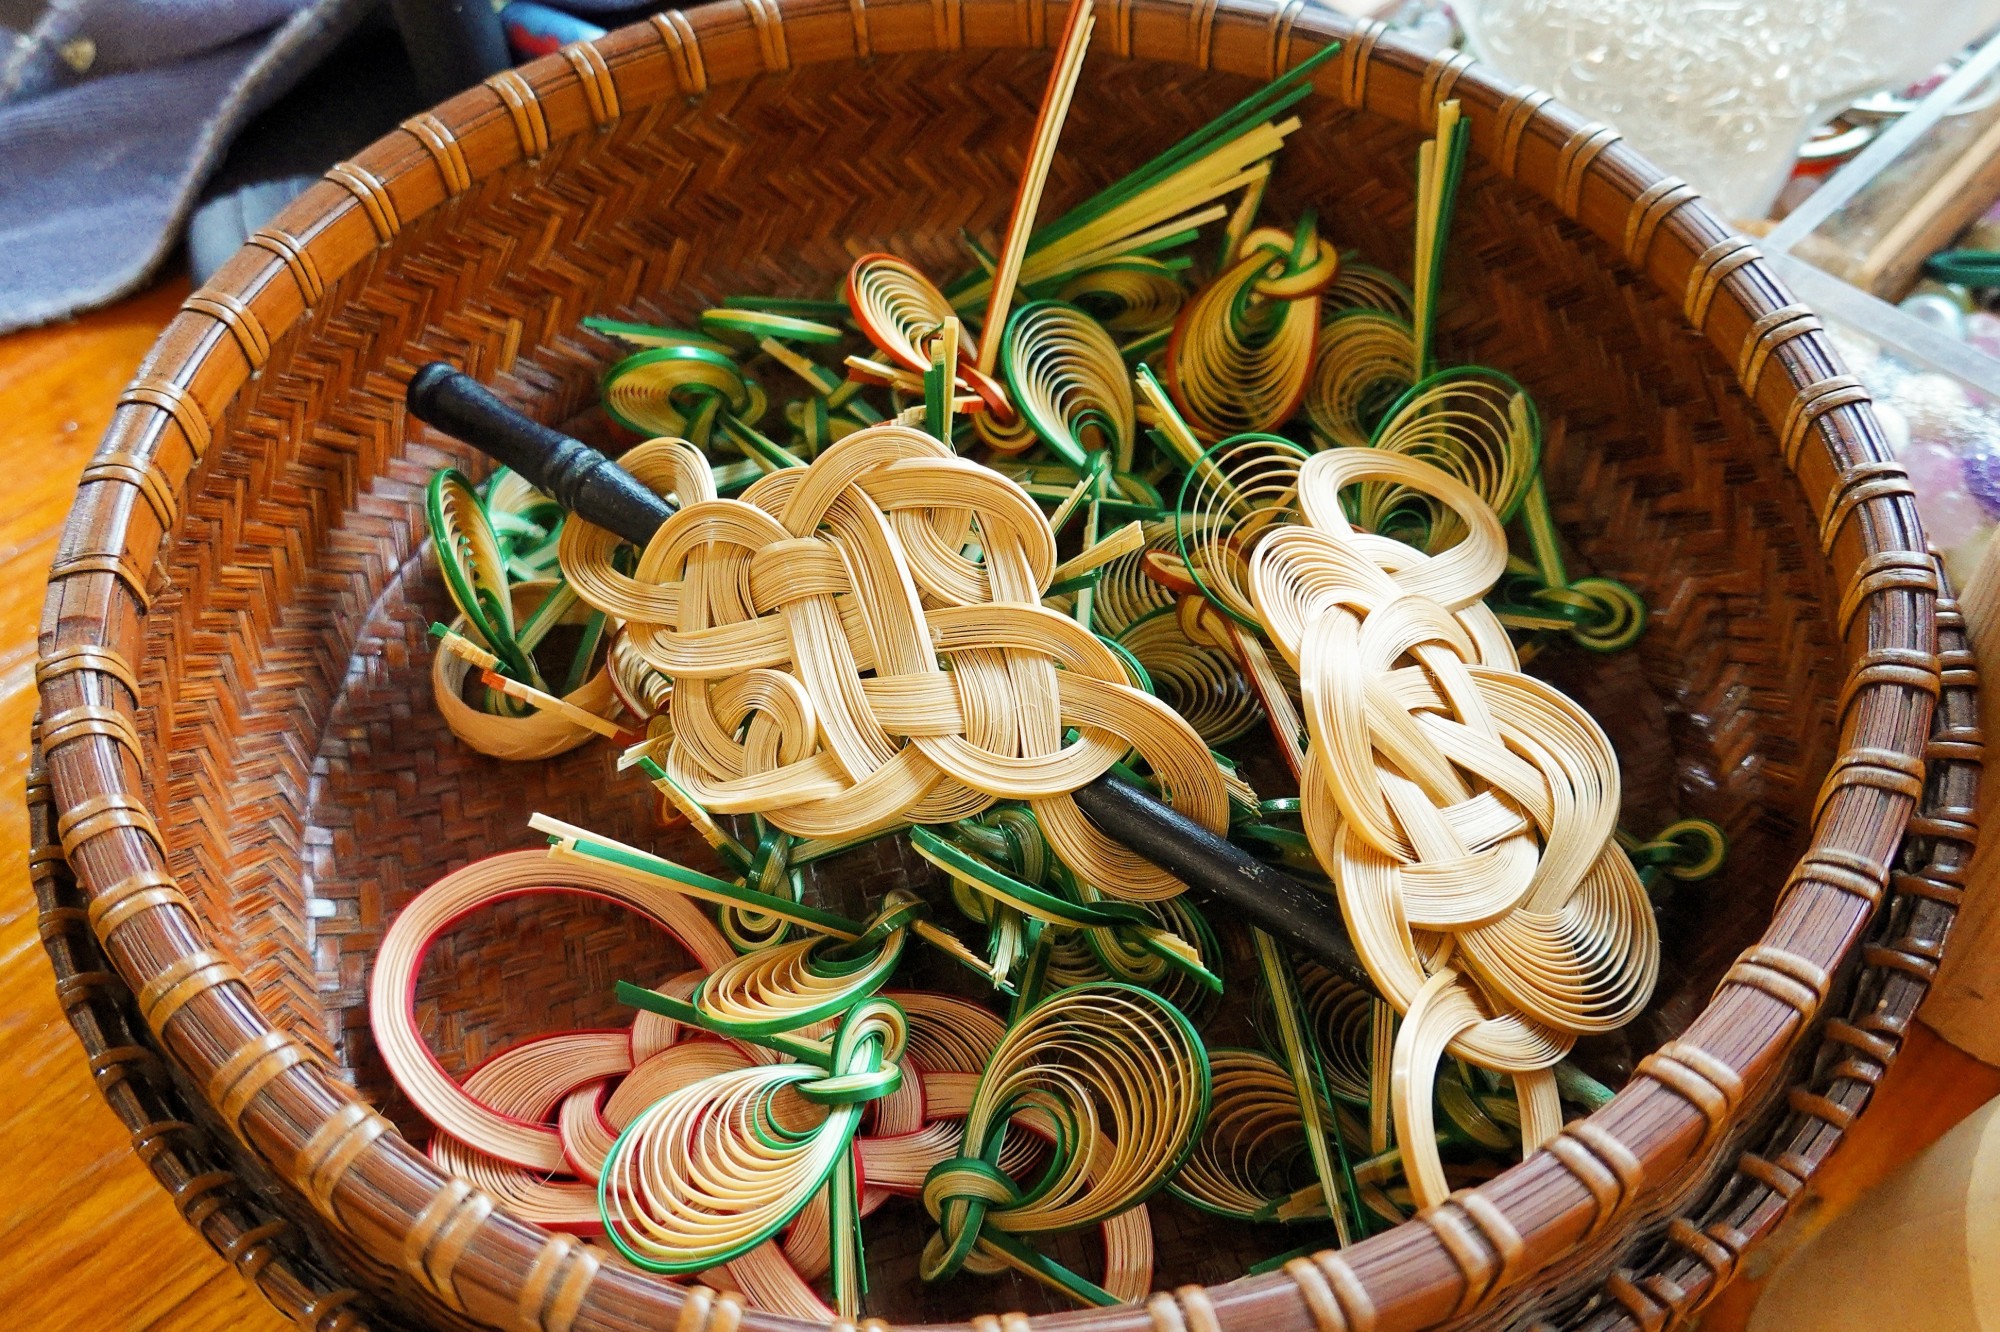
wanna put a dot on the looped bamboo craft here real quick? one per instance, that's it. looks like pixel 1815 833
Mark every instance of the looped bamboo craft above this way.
pixel 1251 1158
pixel 476 572
pixel 1070 382
pixel 1466 810
pixel 1134 295
pixel 532 733
pixel 830 667
pixel 784 987
pixel 710 1171
pixel 899 310
pixel 1119 1080
pixel 393 986
pixel 1242 348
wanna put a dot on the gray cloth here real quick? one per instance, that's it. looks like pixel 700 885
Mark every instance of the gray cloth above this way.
pixel 112 114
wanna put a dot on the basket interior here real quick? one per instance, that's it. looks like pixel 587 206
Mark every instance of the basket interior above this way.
pixel 300 588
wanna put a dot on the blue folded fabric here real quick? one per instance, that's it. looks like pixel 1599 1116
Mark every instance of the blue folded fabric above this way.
pixel 112 114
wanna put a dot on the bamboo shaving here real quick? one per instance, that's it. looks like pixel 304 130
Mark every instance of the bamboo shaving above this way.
pixel 1070 383
pixel 1251 1156
pixel 536 735
pixel 1243 347
pixel 1125 1076
pixel 1063 78
pixel 392 1015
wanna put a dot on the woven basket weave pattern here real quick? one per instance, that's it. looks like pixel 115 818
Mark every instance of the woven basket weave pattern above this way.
pixel 310 797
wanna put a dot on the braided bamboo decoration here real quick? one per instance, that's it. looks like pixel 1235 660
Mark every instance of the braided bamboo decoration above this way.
pixel 1465 810
pixel 821 608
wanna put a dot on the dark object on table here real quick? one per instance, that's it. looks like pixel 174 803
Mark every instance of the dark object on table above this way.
pixel 453 44
pixel 354 96
pixel 381 75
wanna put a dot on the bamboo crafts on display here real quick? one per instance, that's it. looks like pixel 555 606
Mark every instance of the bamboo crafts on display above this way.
pixel 1010 566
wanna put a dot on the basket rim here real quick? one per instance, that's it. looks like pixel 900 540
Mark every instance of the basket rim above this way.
pixel 1453 1261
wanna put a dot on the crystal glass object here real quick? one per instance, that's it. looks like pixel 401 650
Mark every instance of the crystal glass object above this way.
pixel 1720 92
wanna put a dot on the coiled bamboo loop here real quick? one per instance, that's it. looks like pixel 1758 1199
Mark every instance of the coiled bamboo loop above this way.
pixel 1070 383
pixel 715 1168
pixel 1251 1156
pixel 1238 494
pixel 1363 286
pixel 898 309
pixel 392 989
pixel 1135 294
pixel 1478 426
pixel 1122 1079
pixel 1342 1015
pixel 525 522
pixel 663 390
pixel 1200 683
pixel 475 570
pixel 1366 359
pixel 1242 349
pixel 783 987
pixel 536 734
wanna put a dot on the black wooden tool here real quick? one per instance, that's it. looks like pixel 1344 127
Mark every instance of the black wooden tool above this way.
pixel 595 488
pixel 567 470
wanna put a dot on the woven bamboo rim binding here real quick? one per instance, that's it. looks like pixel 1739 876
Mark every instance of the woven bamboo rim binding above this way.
pixel 1633 1164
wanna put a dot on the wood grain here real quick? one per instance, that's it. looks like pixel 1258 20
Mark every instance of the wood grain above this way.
pixel 94 1241
pixel 1928 1090
pixel 1964 1005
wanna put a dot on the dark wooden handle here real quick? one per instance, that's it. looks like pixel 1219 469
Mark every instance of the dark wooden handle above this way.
pixel 1220 873
pixel 593 487
pixel 576 476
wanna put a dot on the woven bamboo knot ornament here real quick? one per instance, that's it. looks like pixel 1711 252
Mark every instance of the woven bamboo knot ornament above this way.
pixel 860 643
pixel 1465 810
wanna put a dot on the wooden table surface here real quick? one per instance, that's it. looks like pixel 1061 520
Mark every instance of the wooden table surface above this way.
pixel 90 1240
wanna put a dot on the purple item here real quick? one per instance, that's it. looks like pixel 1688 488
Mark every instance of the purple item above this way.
pixel 1982 481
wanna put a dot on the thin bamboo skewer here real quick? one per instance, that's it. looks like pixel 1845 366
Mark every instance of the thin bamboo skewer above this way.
pixel 1034 176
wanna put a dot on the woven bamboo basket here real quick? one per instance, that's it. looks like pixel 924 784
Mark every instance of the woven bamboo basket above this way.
pixel 245 780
